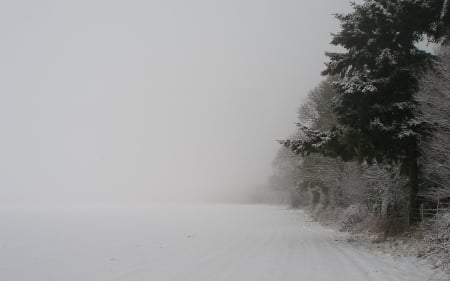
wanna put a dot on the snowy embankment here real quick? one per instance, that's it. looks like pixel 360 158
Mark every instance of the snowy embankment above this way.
pixel 187 242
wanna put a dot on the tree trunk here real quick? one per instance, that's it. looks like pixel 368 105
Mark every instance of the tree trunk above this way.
pixel 413 174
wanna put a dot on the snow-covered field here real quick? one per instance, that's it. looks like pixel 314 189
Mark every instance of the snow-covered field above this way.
pixel 186 243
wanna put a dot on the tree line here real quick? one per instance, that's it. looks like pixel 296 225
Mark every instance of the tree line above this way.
pixel 375 133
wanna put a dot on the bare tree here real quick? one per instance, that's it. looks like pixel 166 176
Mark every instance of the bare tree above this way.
pixel 434 100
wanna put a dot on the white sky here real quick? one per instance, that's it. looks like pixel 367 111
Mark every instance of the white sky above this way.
pixel 136 101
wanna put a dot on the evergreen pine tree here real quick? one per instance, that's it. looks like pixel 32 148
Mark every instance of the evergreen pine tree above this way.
pixel 378 79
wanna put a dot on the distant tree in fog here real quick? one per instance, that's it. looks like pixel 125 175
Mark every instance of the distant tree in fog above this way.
pixel 286 175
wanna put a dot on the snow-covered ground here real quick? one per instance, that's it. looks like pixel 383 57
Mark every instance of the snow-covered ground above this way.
pixel 186 243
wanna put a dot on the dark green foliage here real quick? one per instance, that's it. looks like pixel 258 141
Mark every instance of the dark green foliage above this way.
pixel 377 81
pixel 379 75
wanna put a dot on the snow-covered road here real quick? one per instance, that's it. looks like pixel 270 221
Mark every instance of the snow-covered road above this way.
pixel 186 243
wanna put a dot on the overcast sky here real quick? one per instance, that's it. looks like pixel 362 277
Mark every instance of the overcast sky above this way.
pixel 138 101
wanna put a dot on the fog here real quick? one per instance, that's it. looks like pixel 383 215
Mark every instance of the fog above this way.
pixel 132 102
